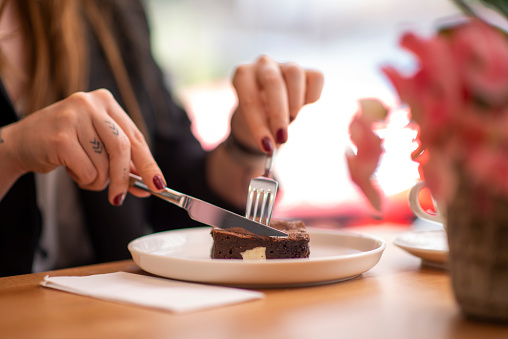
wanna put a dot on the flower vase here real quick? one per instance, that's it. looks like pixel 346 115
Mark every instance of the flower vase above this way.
pixel 477 229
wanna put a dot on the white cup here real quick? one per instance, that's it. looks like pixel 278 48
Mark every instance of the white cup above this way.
pixel 414 204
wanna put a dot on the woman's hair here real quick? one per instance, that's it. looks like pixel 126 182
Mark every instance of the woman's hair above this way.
pixel 55 31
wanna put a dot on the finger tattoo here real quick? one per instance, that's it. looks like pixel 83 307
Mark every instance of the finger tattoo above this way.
pixel 124 173
pixel 112 127
pixel 96 145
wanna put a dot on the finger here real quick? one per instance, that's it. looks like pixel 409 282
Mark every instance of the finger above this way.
pixel 138 192
pixel 93 146
pixel 271 81
pixel 78 164
pixel 296 86
pixel 315 82
pixel 251 107
pixel 134 190
pixel 140 152
pixel 118 147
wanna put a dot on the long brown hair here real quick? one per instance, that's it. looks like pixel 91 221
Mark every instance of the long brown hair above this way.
pixel 58 54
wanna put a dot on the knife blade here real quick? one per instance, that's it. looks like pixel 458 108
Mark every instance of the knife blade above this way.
pixel 207 213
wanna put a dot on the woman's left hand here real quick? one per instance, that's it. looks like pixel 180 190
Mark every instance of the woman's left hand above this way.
pixel 270 95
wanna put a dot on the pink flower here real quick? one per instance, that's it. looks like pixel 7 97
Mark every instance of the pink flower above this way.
pixel 363 164
pixel 434 92
pixel 459 99
pixel 481 55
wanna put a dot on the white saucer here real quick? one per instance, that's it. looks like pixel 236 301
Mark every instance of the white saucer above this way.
pixel 430 246
pixel 185 255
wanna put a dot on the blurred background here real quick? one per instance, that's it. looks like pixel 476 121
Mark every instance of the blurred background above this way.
pixel 198 43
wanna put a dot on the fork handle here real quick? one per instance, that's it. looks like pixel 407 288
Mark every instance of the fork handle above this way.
pixel 269 160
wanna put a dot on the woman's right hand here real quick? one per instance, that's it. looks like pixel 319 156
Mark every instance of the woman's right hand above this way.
pixel 89 134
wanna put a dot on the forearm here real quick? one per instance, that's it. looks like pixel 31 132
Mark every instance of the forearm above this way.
pixel 9 170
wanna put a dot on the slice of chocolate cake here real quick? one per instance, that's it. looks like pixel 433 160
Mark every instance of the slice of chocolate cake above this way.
pixel 236 244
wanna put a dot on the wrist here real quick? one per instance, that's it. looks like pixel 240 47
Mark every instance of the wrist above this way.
pixel 243 154
pixel 10 171
pixel 9 163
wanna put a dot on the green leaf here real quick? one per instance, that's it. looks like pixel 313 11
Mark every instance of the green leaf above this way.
pixel 501 6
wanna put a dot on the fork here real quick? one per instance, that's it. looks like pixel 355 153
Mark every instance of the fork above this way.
pixel 262 193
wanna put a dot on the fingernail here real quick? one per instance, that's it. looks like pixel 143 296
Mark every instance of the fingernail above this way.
pixel 282 136
pixel 158 182
pixel 118 201
pixel 267 144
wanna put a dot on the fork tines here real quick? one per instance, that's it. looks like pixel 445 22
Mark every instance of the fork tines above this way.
pixel 261 198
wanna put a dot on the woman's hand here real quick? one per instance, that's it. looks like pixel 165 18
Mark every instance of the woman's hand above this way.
pixel 270 95
pixel 89 134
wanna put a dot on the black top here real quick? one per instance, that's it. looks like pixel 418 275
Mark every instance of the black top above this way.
pixel 174 147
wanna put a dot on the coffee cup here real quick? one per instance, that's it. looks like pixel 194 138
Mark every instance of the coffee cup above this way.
pixel 416 207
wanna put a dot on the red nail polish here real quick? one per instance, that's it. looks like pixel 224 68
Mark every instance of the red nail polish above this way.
pixel 282 136
pixel 267 144
pixel 158 182
pixel 118 200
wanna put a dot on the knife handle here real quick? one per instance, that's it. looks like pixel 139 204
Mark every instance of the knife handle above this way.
pixel 168 194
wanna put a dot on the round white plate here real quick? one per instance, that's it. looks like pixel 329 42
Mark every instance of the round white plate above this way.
pixel 430 246
pixel 185 255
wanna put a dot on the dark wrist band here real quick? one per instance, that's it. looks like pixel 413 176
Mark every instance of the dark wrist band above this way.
pixel 242 153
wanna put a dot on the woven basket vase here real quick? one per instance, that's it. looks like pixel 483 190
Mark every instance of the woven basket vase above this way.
pixel 477 228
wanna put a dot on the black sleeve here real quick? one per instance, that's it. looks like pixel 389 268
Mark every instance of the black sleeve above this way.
pixel 20 219
pixel 176 150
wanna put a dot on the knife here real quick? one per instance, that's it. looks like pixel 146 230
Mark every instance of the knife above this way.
pixel 207 213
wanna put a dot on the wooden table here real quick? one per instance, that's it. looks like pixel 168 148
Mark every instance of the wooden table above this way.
pixel 398 298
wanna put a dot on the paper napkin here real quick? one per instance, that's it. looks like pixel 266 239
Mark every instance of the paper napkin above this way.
pixel 175 296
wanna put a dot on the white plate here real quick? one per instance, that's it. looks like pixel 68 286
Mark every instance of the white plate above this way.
pixel 430 246
pixel 185 255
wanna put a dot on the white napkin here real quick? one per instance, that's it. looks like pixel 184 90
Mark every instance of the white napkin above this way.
pixel 175 296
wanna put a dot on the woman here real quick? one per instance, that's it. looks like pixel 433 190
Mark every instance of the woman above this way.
pixel 70 71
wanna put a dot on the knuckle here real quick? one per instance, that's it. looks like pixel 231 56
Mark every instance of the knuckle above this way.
pixel 60 141
pixel 80 97
pixel 293 69
pixel 264 59
pixel 124 144
pixel 121 146
pixel 103 93
pixel 315 78
pixel 272 79
pixel 82 100
pixel 88 100
pixel 94 181
pixel 240 72
pixel 315 74
pixel 65 119
pixel 137 138
pixel 87 179
pixel 149 167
